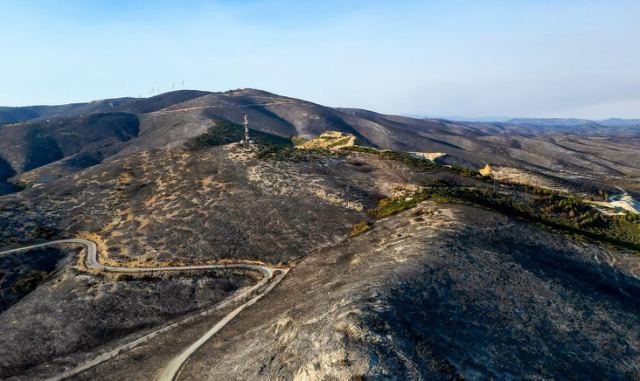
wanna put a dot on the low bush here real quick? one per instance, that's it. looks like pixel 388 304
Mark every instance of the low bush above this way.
pixel 359 228
pixel 389 206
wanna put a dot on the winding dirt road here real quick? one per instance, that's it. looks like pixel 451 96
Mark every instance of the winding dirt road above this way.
pixel 271 277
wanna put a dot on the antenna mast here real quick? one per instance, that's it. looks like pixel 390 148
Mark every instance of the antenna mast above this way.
pixel 246 140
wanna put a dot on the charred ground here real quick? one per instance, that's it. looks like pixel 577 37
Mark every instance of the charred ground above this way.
pixel 401 268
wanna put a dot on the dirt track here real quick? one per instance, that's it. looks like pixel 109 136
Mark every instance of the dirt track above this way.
pixel 272 276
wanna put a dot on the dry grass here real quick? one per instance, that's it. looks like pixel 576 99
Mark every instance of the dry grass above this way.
pixel 332 140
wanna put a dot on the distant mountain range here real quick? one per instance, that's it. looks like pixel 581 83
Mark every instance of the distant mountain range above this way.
pixel 574 122
pixel 542 122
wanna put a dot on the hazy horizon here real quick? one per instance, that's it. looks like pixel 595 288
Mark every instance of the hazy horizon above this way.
pixel 519 59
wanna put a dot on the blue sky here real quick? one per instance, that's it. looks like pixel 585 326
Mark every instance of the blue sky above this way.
pixel 447 58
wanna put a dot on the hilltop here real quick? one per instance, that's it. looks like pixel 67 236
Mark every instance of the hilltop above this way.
pixel 55 140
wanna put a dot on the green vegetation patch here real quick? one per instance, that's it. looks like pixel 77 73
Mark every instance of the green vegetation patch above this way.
pixel 225 132
pixel 413 161
pixel 560 213
pixel 359 228
pixel 338 142
pixel 290 153
pixel 565 213
pixel 389 206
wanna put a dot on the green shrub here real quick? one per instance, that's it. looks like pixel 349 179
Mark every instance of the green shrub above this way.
pixel 359 228
pixel 389 206
pixel 338 142
pixel 362 149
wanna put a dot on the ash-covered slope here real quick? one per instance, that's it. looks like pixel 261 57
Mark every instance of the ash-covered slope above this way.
pixel 39 143
pixel 436 292
pixel 22 114
pixel 166 206
pixel 441 293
